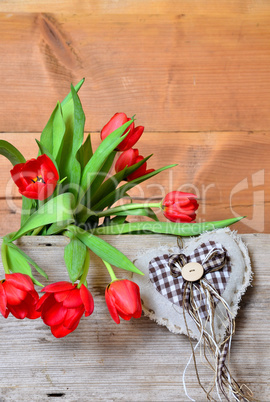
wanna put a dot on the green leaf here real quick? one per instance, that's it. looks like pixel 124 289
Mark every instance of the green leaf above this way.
pixel 83 213
pixel 58 209
pixel 11 153
pixel 117 220
pixel 85 152
pixel 18 264
pixel 57 227
pixel 94 188
pixel 94 165
pixel 140 211
pixel 75 253
pixel 29 260
pixel 104 250
pixel 69 166
pixel 115 195
pixel 59 129
pixel 48 133
pixel 29 206
pixel 111 184
pixel 68 98
pixel 177 229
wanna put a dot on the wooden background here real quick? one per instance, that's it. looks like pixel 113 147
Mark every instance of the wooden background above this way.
pixel 197 75
pixel 195 72
pixel 137 360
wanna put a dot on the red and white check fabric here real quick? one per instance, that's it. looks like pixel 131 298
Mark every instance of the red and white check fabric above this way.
pixel 217 267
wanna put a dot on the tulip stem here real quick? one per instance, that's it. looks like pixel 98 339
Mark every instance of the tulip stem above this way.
pixel 86 267
pixel 110 270
pixel 4 257
pixel 127 207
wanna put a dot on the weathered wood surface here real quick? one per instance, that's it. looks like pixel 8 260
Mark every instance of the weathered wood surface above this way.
pixel 211 165
pixel 199 69
pixel 195 73
pixel 137 360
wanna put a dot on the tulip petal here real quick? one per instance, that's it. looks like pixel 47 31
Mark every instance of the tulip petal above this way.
pixel 87 300
pixel 35 296
pixel 18 178
pixel 73 299
pixel 126 317
pixel 20 281
pixel 113 124
pixel 3 301
pixel 43 299
pixel 14 295
pixel 58 287
pixel 125 294
pixel 61 296
pixel 32 313
pixel 48 169
pixel 111 307
pixel 59 331
pixel 131 139
pixel 31 302
pixel 19 311
pixel 73 316
pixel 127 158
pixel 140 171
pixel 54 315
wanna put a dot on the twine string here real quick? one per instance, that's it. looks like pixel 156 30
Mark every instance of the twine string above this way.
pixel 223 380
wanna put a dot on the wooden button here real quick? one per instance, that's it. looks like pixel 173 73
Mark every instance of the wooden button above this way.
pixel 192 271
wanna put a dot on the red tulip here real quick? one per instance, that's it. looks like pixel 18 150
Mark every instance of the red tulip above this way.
pixel 180 207
pixel 63 305
pixel 129 158
pixel 117 121
pixel 36 178
pixel 123 299
pixel 18 296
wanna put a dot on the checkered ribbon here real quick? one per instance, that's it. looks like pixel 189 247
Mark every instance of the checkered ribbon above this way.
pixel 165 274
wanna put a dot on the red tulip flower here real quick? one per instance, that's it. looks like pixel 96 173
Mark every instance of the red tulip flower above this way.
pixel 63 305
pixel 129 158
pixel 180 207
pixel 123 299
pixel 117 121
pixel 36 178
pixel 18 296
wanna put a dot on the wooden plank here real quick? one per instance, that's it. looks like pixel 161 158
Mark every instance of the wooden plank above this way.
pixel 136 6
pixel 193 71
pixel 228 172
pixel 137 360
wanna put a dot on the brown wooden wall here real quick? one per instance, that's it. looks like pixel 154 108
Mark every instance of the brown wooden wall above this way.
pixel 195 73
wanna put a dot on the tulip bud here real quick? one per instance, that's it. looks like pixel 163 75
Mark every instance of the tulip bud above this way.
pixel 129 158
pixel 18 296
pixel 123 299
pixel 178 206
pixel 117 121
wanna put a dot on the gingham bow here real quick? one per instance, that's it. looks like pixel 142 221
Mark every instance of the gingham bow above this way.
pixel 165 274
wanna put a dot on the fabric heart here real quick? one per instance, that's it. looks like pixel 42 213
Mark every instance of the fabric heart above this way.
pixel 169 314
pixel 202 307
pixel 165 274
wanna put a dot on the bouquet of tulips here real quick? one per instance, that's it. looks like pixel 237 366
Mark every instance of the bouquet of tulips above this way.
pixel 68 190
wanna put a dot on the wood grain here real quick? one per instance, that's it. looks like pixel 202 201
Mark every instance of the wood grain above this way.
pixel 229 172
pixel 137 360
pixel 199 69
pixel 137 6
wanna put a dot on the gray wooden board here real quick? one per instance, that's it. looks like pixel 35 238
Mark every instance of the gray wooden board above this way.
pixel 136 360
